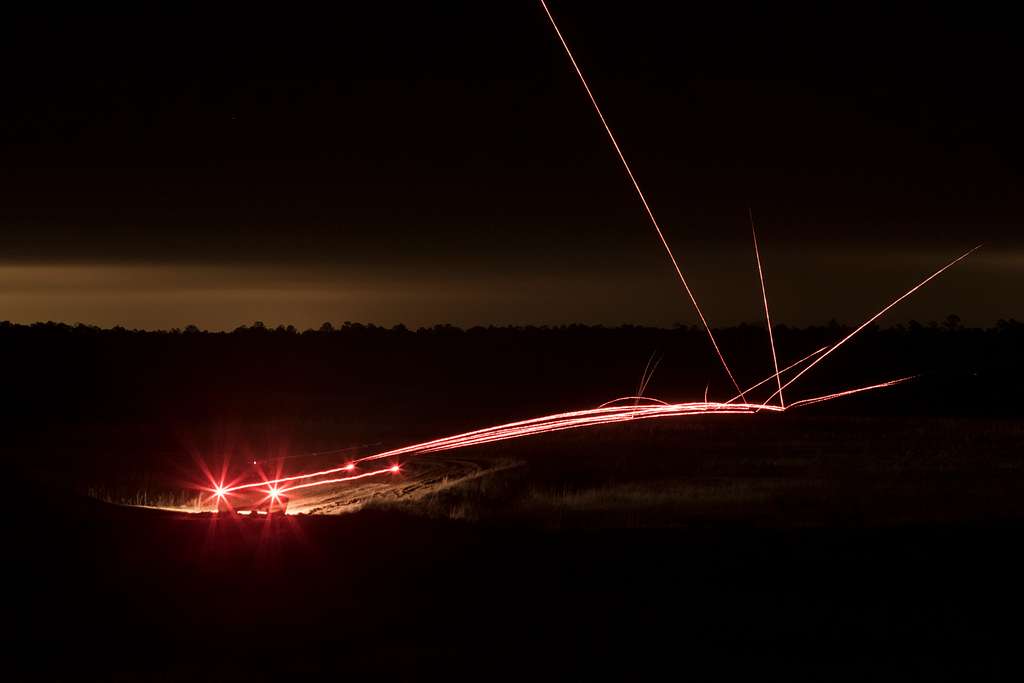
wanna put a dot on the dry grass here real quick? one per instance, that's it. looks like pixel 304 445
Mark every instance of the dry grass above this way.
pixel 784 471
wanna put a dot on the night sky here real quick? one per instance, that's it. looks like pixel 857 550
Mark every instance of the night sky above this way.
pixel 439 162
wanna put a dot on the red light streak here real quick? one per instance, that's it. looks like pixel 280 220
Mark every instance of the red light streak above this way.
pixel 608 413
pixel 771 377
pixel 646 377
pixel 850 392
pixel 337 480
pixel 281 480
pixel 767 316
pixel 878 315
pixel 643 199
pixel 635 400
pixel 541 425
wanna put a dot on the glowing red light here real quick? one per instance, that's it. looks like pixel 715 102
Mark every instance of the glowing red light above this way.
pixel 349 467
pixel 393 469
pixel 220 491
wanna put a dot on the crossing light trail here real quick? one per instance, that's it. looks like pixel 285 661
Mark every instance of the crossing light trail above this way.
pixel 643 199
pixel 876 316
pixel 784 370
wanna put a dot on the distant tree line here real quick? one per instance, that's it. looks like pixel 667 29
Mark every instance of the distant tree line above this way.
pixel 59 371
pixel 952 322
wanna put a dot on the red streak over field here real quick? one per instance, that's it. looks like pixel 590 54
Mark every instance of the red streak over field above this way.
pixel 269 494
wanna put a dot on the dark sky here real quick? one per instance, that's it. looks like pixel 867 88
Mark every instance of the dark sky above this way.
pixel 439 162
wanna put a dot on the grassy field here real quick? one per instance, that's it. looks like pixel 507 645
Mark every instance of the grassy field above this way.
pixel 844 548
pixel 771 471
pixel 764 470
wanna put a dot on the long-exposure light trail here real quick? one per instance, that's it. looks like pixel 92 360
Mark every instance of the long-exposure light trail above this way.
pixel 767 316
pixel 783 371
pixel 607 413
pixel 643 199
pixel 336 480
pixel 851 392
pixel 541 425
pixel 624 409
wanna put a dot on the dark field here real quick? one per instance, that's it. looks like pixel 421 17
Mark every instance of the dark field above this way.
pixel 875 537
pixel 788 542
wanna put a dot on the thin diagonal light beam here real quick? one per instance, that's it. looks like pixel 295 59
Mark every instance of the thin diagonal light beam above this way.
pixel 767 317
pixel 643 199
pixel 851 392
pixel 643 377
pixel 878 315
pixel 650 376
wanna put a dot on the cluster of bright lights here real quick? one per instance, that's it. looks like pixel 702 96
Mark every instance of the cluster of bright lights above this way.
pixel 619 410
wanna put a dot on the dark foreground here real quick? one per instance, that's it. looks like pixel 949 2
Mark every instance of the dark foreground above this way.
pixel 101 588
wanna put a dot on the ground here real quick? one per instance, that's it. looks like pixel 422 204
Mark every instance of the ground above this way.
pixel 803 542
pixel 775 471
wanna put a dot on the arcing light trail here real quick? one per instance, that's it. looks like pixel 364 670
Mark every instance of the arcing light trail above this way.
pixel 619 410
pixel 603 414
pixel 608 414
